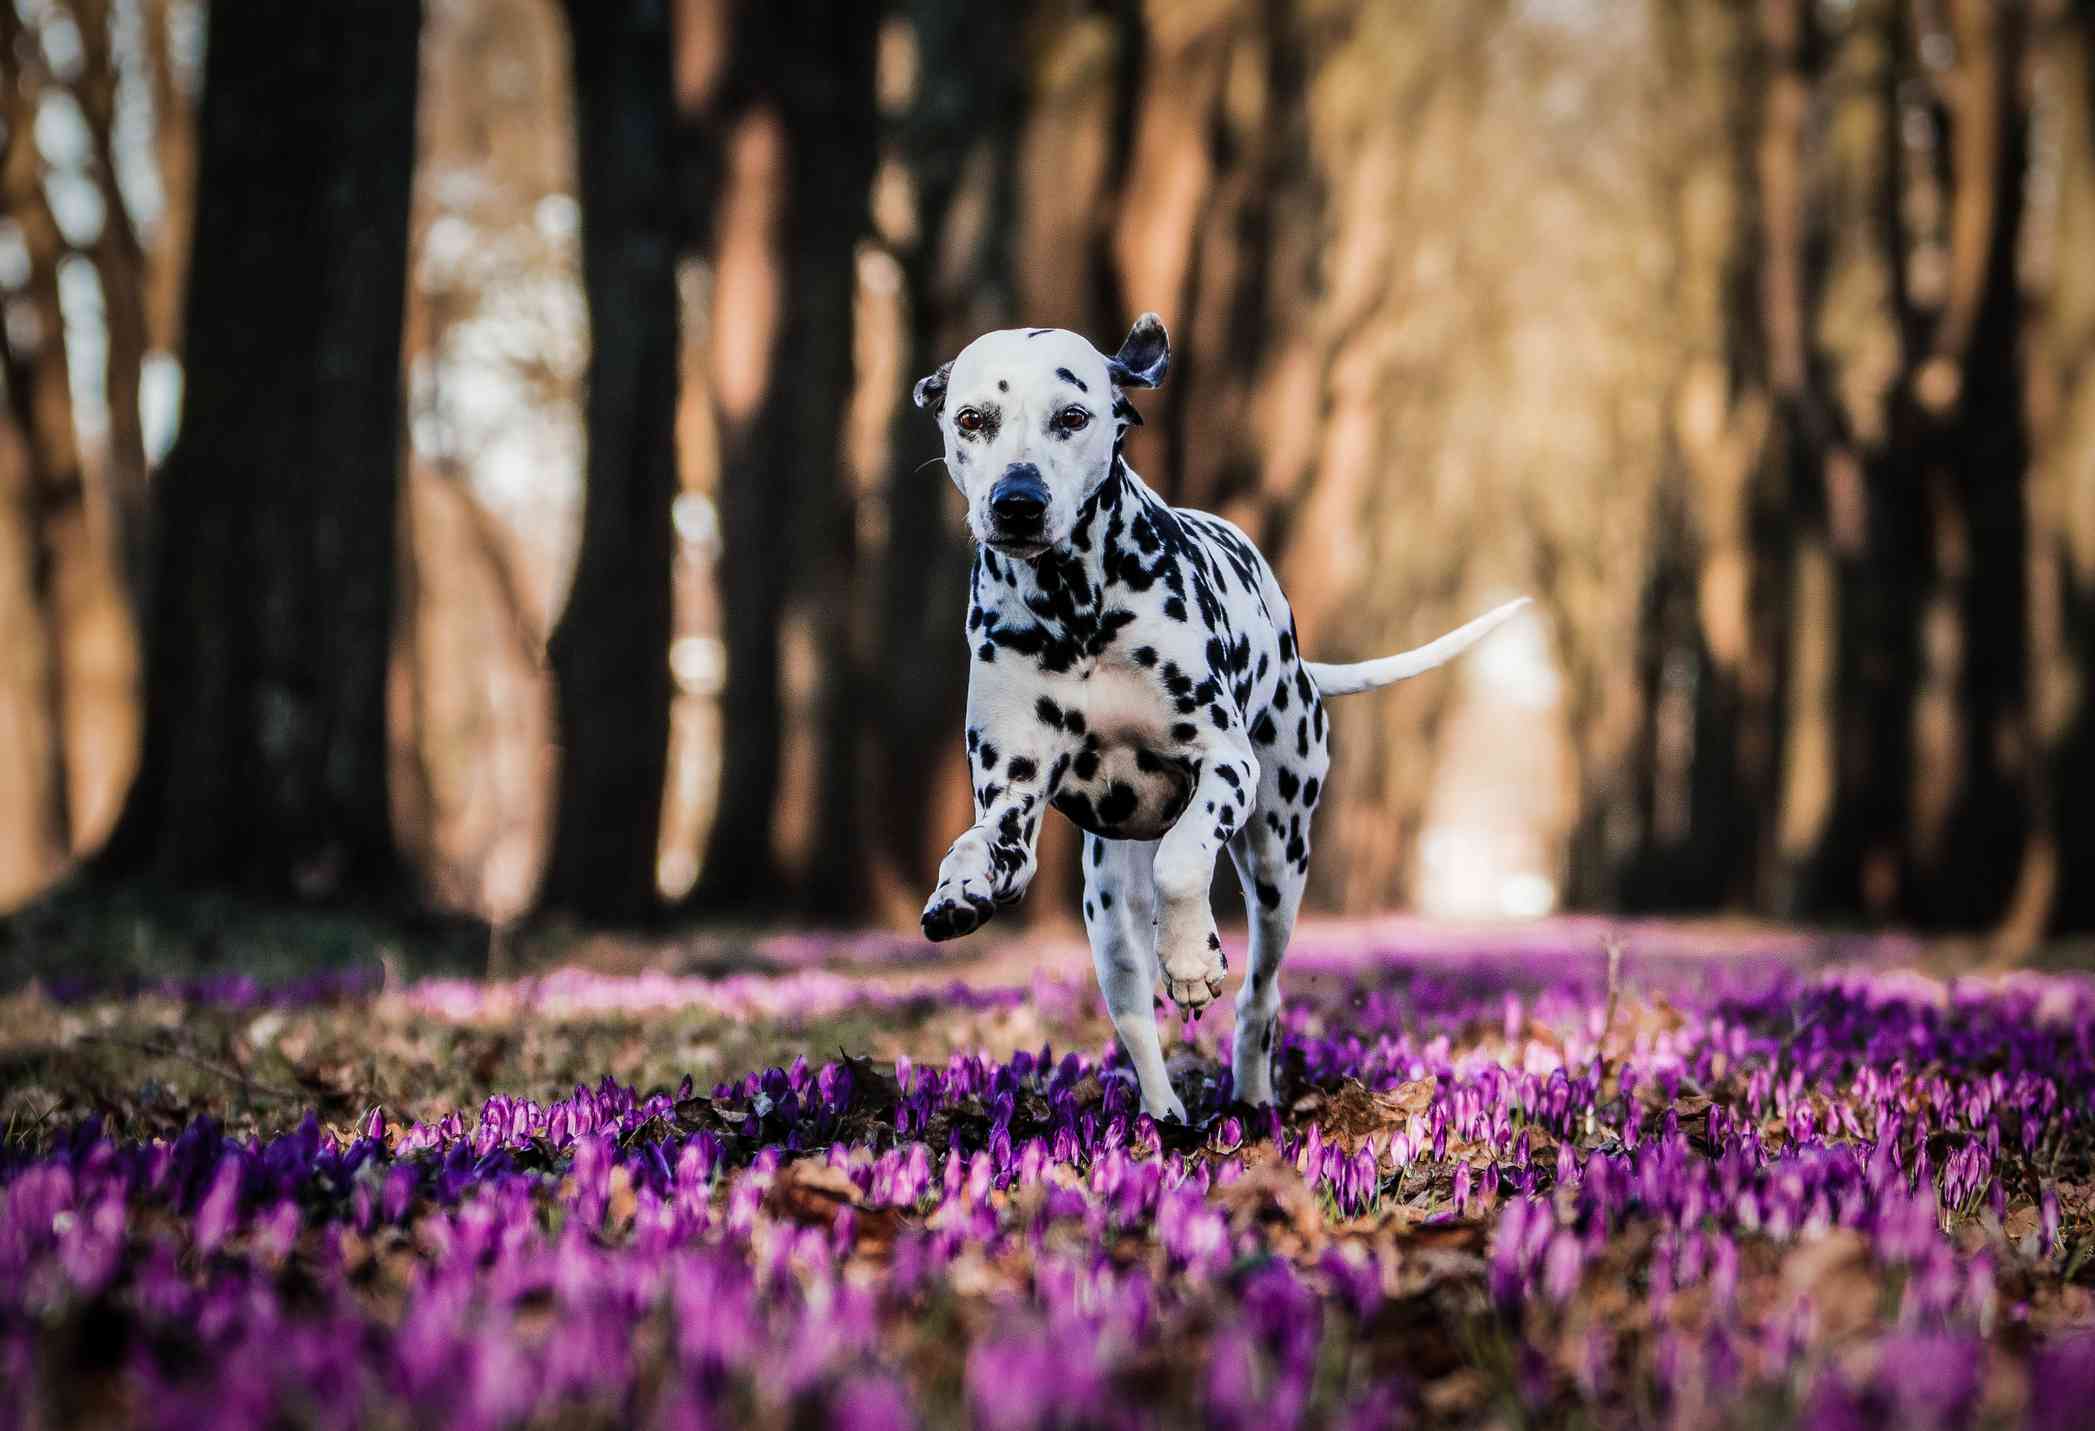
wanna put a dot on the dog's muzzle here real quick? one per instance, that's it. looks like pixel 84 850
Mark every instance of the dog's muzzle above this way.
pixel 1019 502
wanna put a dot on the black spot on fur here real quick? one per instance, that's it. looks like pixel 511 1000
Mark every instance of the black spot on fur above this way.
pixel 1073 380
pixel 1021 768
pixel 1078 809
pixel 1120 802
pixel 1268 895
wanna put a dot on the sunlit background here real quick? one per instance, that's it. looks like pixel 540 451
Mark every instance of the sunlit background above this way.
pixel 1753 340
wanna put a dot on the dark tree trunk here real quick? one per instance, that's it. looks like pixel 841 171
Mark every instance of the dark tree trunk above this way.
pixel 832 133
pixel 264 764
pixel 741 871
pixel 610 652
pixel 60 566
pixel 968 97
pixel 788 515
pixel 2065 900
pixel 120 263
pixel 1967 879
pixel 32 778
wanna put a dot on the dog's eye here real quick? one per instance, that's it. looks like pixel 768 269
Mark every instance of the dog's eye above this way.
pixel 968 420
pixel 1072 419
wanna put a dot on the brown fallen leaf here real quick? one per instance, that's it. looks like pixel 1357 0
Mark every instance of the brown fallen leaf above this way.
pixel 1351 1113
pixel 1459 1393
pixel 1835 1272
pixel 1409 1098
pixel 1273 1198
pixel 623 1201
pixel 811 1192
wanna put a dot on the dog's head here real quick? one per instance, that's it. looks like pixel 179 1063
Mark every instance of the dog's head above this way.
pixel 1032 418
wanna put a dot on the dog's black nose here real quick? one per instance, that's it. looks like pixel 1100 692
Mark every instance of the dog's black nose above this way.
pixel 1019 497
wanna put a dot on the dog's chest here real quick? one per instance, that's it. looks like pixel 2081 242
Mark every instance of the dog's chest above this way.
pixel 1125 780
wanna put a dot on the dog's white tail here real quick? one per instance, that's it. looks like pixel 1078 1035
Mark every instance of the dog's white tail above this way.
pixel 1368 675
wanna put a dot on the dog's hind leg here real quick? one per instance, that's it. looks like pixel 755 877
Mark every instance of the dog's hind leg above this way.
pixel 1272 895
pixel 1271 854
pixel 1119 907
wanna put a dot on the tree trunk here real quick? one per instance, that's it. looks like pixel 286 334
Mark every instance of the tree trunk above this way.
pixel 174 147
pixel 1966 874
pixel 832 127
pixel 1916 432
pixel 2058 895
pixel 741 871
pixel 265 757
pixel 966 105
pixel 610 651
pixel 789 521
pixel 120 263
pixel 32 780
pixel 60 563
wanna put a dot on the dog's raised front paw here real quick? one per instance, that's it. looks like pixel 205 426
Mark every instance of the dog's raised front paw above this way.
pixel 957 907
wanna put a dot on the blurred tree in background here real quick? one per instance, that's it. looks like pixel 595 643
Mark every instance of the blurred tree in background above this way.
pixel 1756 340
pixel 608 804
pixel 268 611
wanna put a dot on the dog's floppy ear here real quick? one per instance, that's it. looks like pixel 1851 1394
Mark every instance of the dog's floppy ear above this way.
pixel 1145 355
pixel 930 391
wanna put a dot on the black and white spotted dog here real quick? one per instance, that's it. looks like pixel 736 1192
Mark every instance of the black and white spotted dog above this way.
pixel 1136 667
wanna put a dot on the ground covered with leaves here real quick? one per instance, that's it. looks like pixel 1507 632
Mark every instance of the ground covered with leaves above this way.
pixel 821 1182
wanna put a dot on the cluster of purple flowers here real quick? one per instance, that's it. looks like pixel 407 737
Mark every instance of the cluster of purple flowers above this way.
pixel 1831 1197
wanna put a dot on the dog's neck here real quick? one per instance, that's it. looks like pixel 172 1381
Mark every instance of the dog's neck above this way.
pixel 1064 589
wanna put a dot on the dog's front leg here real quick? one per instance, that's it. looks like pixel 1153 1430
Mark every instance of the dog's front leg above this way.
pixel 993 861
pixel 1188 949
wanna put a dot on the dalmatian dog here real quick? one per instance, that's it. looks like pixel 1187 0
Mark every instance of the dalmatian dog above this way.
pixel 1136 667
